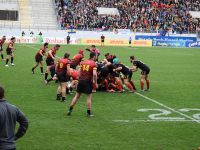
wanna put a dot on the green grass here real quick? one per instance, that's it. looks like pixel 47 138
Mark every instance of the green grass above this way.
pixel 175 77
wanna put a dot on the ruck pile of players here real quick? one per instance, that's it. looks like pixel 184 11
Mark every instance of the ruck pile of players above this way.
pixel 112 75
pixel 109 75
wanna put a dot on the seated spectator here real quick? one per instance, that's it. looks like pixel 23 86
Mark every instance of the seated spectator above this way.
pixel 137 15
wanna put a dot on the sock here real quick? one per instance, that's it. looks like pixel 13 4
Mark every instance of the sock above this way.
pixel 148 84
pixel 58 96
pixel 63 98
pixel 33 69
pixel 71 108
pixel 133 85
pixel 7 60
pixel 89 112
pixel 49 80
pixel 46 75
pixel 142 84
pixel 12 60
pixel 2 56
pixel 41 68
pixel 129 86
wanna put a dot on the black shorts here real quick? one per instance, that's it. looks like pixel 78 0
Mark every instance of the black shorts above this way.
pixel 145 72
pixel 128 75
pixel 102 41
pixel 9 52
pixel 49 61
pixel 84 86
pixel 38 59
pixel 1 48
pixel 62 77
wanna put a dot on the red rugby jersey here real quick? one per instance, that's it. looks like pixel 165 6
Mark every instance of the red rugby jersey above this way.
pixel 76 59
pixel 62 65
pixel 86 69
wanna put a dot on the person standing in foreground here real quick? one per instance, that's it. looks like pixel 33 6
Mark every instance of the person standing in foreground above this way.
pixel 10 51
pixel 144 74
pixel 9 115
pixel 87 77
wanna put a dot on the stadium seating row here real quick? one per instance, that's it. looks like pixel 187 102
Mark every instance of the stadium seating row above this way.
pixel 138 15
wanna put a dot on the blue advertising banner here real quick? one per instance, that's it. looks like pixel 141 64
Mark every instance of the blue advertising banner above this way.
pixel 169 43
pixel 193 44
pixel 165 38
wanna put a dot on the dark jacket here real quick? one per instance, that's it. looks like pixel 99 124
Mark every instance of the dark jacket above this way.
pixel 9 115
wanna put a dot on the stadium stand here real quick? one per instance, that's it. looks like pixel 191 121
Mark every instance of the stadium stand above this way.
pixel 33 14
pixel 138 15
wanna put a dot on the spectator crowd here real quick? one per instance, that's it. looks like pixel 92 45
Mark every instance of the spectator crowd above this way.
pixel 137 15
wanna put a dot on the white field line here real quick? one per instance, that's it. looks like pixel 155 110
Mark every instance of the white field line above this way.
pixel 132 121
pixel 169 108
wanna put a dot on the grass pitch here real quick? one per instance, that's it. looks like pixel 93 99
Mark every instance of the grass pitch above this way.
pixel 167 117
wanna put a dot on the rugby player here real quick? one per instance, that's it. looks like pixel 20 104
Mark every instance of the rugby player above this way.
pixel 87 77
pixel 77 59
pixel 93 49
pixel 10 51
pixel 144 74
pixel 120 68
pixel 39 57
pixel 109 57
pixel 50 60
pixel 2 41
pixel 62 67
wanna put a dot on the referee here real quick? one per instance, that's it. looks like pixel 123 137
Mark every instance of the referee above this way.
pixel 9 115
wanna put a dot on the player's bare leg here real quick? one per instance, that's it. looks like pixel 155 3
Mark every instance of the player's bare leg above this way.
pixel 73 103
pixel 147 82
pixel 142 79
pixel 128 85
pixel 89 105
pixel 35 66
pixel 1 52
pixel 59 92
pixel 41 67
pixel 63 90
pixel 46 74
pixel 12 59
pixel 7 60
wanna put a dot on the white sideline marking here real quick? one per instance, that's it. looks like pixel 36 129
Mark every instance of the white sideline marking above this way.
pixel 130 121
pixel 173 110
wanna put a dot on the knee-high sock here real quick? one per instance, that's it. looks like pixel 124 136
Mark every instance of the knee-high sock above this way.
pixel 148 84
pixel 142 84
pixel 129 86
pixel 133 85
pixel 12 58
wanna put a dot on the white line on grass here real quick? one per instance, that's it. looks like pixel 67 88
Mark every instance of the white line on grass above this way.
pixel 173 110
pixel 129 121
